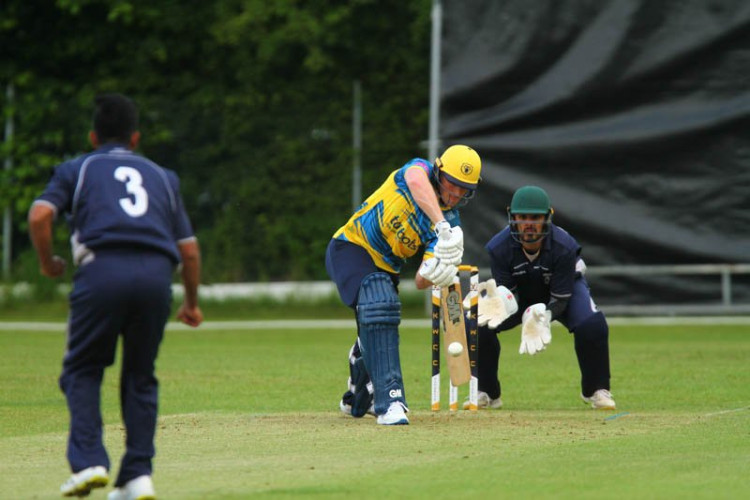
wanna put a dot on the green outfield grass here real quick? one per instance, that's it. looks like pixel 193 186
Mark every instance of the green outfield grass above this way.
pixel 254 414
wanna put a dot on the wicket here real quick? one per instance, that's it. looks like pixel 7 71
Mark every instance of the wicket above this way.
pixel 472 343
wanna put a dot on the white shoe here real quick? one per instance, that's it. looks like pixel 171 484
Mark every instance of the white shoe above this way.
pixel 600 400
pixel 396 415
pixel 347 409
pixel 484 401
pixel 82 482
pixel 140 488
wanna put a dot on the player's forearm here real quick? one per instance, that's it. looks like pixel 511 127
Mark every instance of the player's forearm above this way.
pixel 40 233
pixel 423 193
pixel 421 282
pixel 191 271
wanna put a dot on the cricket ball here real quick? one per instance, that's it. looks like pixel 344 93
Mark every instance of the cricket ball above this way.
pixel 455 348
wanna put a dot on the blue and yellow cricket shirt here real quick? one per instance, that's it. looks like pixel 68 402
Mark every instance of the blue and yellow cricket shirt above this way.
pixel 390 226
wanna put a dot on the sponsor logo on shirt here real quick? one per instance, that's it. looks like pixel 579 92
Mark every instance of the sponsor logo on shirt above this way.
pixel 397 227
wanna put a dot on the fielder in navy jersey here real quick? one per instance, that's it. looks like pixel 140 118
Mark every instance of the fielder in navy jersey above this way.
pixel 540 265
pixel 129 231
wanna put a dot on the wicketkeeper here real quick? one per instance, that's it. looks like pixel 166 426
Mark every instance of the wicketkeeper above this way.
pixel 538 277
pixel 415 207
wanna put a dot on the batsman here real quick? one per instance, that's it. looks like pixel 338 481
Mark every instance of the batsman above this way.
pixel 538 276
pixel 415 208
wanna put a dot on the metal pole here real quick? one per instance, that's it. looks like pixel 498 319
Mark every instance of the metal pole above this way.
pixel 726 287
pixel 357 146
pixel 435 49
pixel 8 165
pixel 433 137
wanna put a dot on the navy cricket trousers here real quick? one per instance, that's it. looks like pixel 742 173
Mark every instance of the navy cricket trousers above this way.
pixel 586 323
pixel 125 293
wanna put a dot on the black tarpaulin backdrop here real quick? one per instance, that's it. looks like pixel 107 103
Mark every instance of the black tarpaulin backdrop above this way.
pixel 633 115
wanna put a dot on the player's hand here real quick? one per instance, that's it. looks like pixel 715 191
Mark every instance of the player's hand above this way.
pixel 450 245
pixel 535 332
pixel 439 273
pixel 54 268
pixel 496 304
pixel 191 316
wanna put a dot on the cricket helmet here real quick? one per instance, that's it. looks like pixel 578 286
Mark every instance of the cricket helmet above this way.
pixel 460 165
pixel 530 200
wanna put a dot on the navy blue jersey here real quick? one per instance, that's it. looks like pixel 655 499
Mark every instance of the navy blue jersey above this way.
pixel 551 274
pixel 114 198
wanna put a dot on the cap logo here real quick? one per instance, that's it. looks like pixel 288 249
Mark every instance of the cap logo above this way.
pixel 467 169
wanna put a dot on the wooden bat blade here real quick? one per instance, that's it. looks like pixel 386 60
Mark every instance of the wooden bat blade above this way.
pixel 454 330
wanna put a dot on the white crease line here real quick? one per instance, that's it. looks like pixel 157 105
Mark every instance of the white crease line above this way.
pixel 726 411
pixel 46 326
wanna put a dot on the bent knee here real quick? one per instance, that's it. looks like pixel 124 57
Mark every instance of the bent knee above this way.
pixel 378 301
pixel 593 328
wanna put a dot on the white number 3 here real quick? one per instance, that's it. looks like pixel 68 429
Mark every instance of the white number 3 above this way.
pixel 134 186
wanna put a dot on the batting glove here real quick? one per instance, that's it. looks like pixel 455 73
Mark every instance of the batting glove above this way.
pixel 450 245
pixel 442 227
pixel 535 332
pixel 439 273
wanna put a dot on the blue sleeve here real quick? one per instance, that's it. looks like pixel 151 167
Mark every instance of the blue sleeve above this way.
pixel 61 187
pixel 563 276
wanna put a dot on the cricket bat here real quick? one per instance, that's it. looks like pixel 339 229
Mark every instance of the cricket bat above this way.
pixel 454 330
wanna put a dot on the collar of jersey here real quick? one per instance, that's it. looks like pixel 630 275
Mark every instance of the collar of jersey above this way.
pixel 110 146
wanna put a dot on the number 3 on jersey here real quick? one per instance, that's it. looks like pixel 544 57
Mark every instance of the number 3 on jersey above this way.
pixel 134 186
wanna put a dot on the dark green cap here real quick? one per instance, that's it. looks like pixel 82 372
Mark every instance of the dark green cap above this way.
pixel 530 200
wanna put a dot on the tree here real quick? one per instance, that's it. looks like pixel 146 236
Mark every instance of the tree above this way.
pixel 250 101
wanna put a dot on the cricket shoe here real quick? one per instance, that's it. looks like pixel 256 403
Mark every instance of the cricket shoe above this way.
pixel 600 400
pixel 346 409
pixel 395 415
pixel 82 482
pixel 484 401
pixel 140 488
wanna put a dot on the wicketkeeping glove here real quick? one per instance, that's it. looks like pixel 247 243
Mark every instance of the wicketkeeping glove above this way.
pixel 450 245
pixel 535 332
pixel 496 304
pixel 439 273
